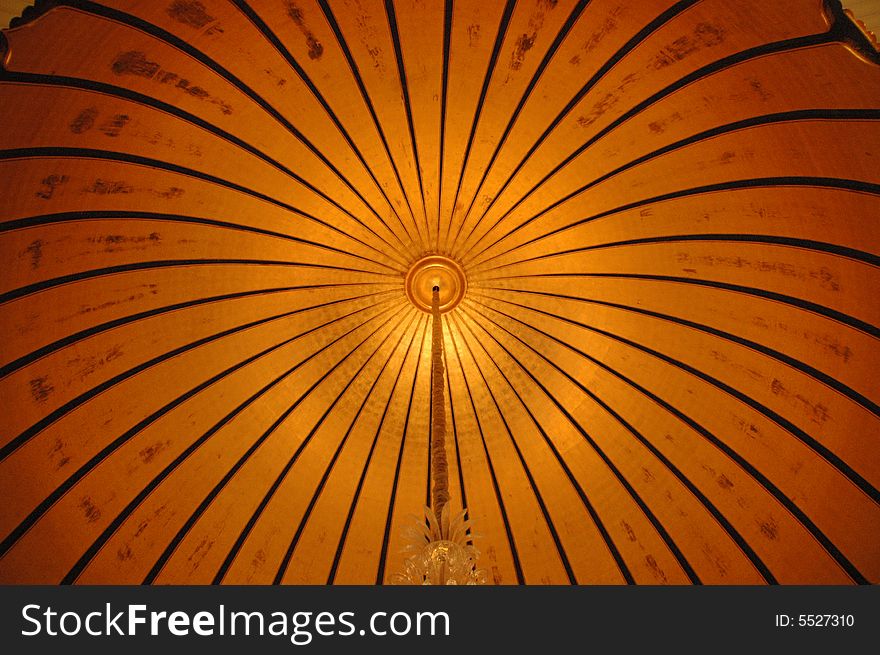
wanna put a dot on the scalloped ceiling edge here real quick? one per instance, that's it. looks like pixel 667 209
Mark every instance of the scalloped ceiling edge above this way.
pixel 32 12
pixel 850 28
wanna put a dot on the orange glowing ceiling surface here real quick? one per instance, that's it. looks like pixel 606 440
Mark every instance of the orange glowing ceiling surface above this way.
pixel 664 367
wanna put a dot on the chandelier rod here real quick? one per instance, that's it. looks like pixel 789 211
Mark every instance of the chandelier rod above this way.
pixel 439 464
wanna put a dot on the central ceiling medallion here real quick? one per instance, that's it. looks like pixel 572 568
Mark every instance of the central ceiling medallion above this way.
pixel 436 271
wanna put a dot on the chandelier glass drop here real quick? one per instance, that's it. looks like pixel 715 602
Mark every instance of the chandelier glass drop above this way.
pixel 439 547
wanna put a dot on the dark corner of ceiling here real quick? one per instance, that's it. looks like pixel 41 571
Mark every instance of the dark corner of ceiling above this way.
pixel 4 50
pixel 851 31
pixel 32 12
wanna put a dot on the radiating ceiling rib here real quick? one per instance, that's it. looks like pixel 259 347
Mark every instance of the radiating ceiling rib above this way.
pixel 709 479
pixel 114 367
pixel 488 197
pixel 669 555
pixel 178 562
pixel 412 473
pixel 378 484
pixel 118 187
pixel 261 534
pixel 734 451
pixel 315 50
pixel 219 488
pixel 428 31
pixel 301 569
pixel 574 521
pixel 645 475
pixel 370 41
pixel 270 127
pixel 610 95
pixel 385 155
pixel 312 404
pixel 539 466
pixel 277 391
pixel 148 127
pixel 742 78
pixel 551 52
pixel 85 474
pixel 754 375
pixel 485 458
pixel 458 497
pixel 455 211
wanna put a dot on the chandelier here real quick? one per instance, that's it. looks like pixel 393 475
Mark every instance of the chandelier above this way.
pixel 439 547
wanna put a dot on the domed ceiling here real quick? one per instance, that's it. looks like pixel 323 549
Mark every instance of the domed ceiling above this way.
pixel 663 368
